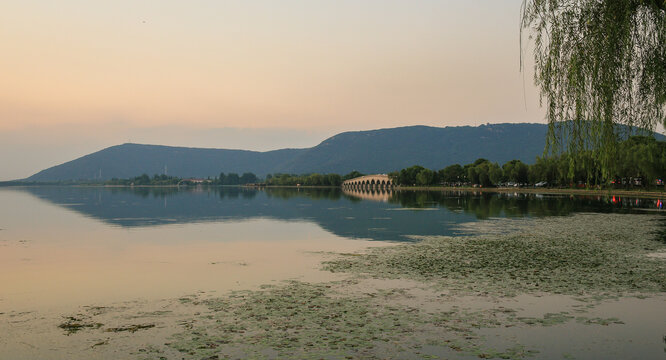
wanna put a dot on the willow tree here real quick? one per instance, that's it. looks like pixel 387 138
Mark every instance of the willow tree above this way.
pixel 601 69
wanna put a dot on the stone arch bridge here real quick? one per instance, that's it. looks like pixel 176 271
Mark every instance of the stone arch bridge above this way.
pixel 379 181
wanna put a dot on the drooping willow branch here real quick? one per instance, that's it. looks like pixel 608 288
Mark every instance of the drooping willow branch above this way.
pixel 601 69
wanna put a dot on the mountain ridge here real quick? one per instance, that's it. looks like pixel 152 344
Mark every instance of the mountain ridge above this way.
pixel 369 151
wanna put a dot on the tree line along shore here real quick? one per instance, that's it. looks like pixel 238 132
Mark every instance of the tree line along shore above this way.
pixel 640 167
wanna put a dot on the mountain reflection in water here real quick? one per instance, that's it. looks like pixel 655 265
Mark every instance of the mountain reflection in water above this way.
pixel 360 215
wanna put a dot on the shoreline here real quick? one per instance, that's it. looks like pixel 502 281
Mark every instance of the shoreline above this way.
pixel 524 190
pixel 555 191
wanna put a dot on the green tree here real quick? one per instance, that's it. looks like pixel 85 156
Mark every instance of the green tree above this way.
pixel 144 179
pixel 479 172
pixel 332 180
pixel 313 180
pixel 516 171
pixel 495 174
pixel 598 64
pixel 425 177
pixel 480 161
pixel 544 169
pixel 484 174
pixel 472 174
pixel 232 179
pixel 408 176
pixel 452 174
pixel 352 175
pixel 248 178
pixel 642 157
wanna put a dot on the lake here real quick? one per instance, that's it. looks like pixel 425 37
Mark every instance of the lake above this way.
pixel 66 247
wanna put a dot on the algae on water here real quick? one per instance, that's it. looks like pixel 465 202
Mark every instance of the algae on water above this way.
pixel 296 319
pixel 589 258
pixel 581 254
pixel 73 324
pixel 303 320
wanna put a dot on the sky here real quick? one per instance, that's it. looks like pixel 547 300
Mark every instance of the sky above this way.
pixel 79 76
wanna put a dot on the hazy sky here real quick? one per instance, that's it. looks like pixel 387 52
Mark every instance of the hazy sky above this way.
pixel 79 76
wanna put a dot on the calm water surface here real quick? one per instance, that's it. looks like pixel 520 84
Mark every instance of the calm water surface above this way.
pixel 70 246
pixel 77 244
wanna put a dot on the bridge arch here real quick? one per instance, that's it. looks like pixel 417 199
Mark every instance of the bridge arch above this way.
pixel 372 181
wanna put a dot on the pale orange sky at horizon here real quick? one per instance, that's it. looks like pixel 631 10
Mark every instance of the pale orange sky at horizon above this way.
pixel 83 75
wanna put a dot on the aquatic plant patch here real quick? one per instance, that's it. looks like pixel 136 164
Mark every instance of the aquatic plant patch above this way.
pixel 295 320
pixel 455 293
pixel 581 254
pixel 73 324
pixel 130 328
pixel 304 320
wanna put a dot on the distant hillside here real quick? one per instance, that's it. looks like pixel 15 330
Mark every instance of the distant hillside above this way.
pixel 129 160
pixel 384 150
pixel 375 151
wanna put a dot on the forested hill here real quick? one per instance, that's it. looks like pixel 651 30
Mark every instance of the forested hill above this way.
pixel 375 151
pixel 385 150
pixel 129 160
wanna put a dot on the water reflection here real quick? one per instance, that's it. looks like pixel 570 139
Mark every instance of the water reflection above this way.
pixel 485 205
pixel 379 194
pixel 371 215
